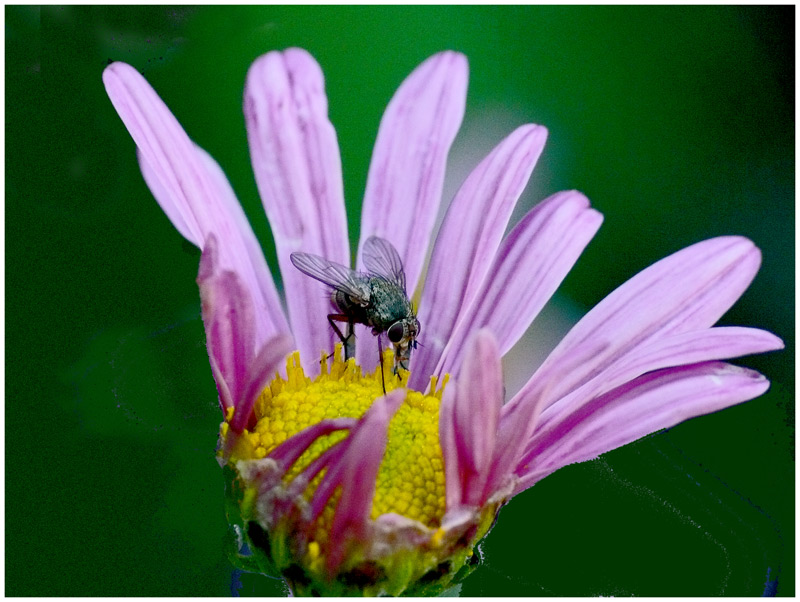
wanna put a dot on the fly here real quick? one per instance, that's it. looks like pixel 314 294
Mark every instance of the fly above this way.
pixel 376 298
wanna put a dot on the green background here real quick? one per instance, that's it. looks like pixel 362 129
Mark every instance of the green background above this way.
pixel 677 122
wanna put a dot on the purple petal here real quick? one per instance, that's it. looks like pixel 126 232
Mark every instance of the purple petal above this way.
pixel 228 319
pixel 188 185
pixel 652 402
pixel 687 291
pixel 260 371
pixel 479 213
pixel 531 263
pixel 296 162
pixel 285 503
pixel 477 408
pixel 404 186
pixel 355 472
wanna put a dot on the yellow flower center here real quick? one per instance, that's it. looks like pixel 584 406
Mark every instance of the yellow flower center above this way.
pixel 410 480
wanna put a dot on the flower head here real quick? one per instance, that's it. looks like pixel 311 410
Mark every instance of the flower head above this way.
pixel 345 477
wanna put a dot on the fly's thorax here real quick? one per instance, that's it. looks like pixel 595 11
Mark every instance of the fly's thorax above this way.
pixel 388 304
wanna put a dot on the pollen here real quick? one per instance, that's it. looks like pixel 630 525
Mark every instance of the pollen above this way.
pixel 410 479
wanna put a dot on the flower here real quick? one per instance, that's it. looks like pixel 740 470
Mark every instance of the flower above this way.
pixel 342 486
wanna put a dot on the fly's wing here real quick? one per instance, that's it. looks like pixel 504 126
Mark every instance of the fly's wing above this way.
pixel 382 259
pixel 330 273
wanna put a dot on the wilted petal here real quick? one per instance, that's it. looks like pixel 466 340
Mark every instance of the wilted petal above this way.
pixel 287 453
pixel 296 161
pixel 228 319
pixel 355 472
pixel 479 213
pixel 476 412
pixel 187 185
pixel 226 400
pixel 687 291
pixel 261 370
pixel 447 441
pixel 518 423
pixel 206 271
pixel 531 263
pixel 399 530
pixel 652 402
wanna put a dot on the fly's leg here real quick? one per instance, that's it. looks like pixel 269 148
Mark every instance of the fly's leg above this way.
pixel 402 355
pixel 380 359
pixel 332 319
pixel 349 349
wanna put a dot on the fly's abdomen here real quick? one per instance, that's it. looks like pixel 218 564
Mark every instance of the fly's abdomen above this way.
pixel 348 307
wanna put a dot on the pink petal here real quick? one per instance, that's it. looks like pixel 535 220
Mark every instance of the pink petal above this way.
pixel 406 175
pixel 285 498
pixel 676 350
pixel 531 263
pixel 652 402
pixel 479 213
pixel 260 372
pixel 296 161
pixel 188 186
pixel 724 342
pixel 171 205
pixel 228 318
pixel 687 291
pixel 477 407
pixel 404 186
pixel 667 352
pixel 355 472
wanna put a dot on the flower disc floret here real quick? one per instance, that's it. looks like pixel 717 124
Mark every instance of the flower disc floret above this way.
pixel 411 478
pixel 409 537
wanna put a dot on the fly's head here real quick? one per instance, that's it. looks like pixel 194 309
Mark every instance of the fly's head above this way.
pixel 403 335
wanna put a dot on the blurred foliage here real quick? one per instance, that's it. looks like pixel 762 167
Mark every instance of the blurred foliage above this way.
pixel 678 123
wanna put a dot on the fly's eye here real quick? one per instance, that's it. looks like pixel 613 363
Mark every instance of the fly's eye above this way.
pixel 396 332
